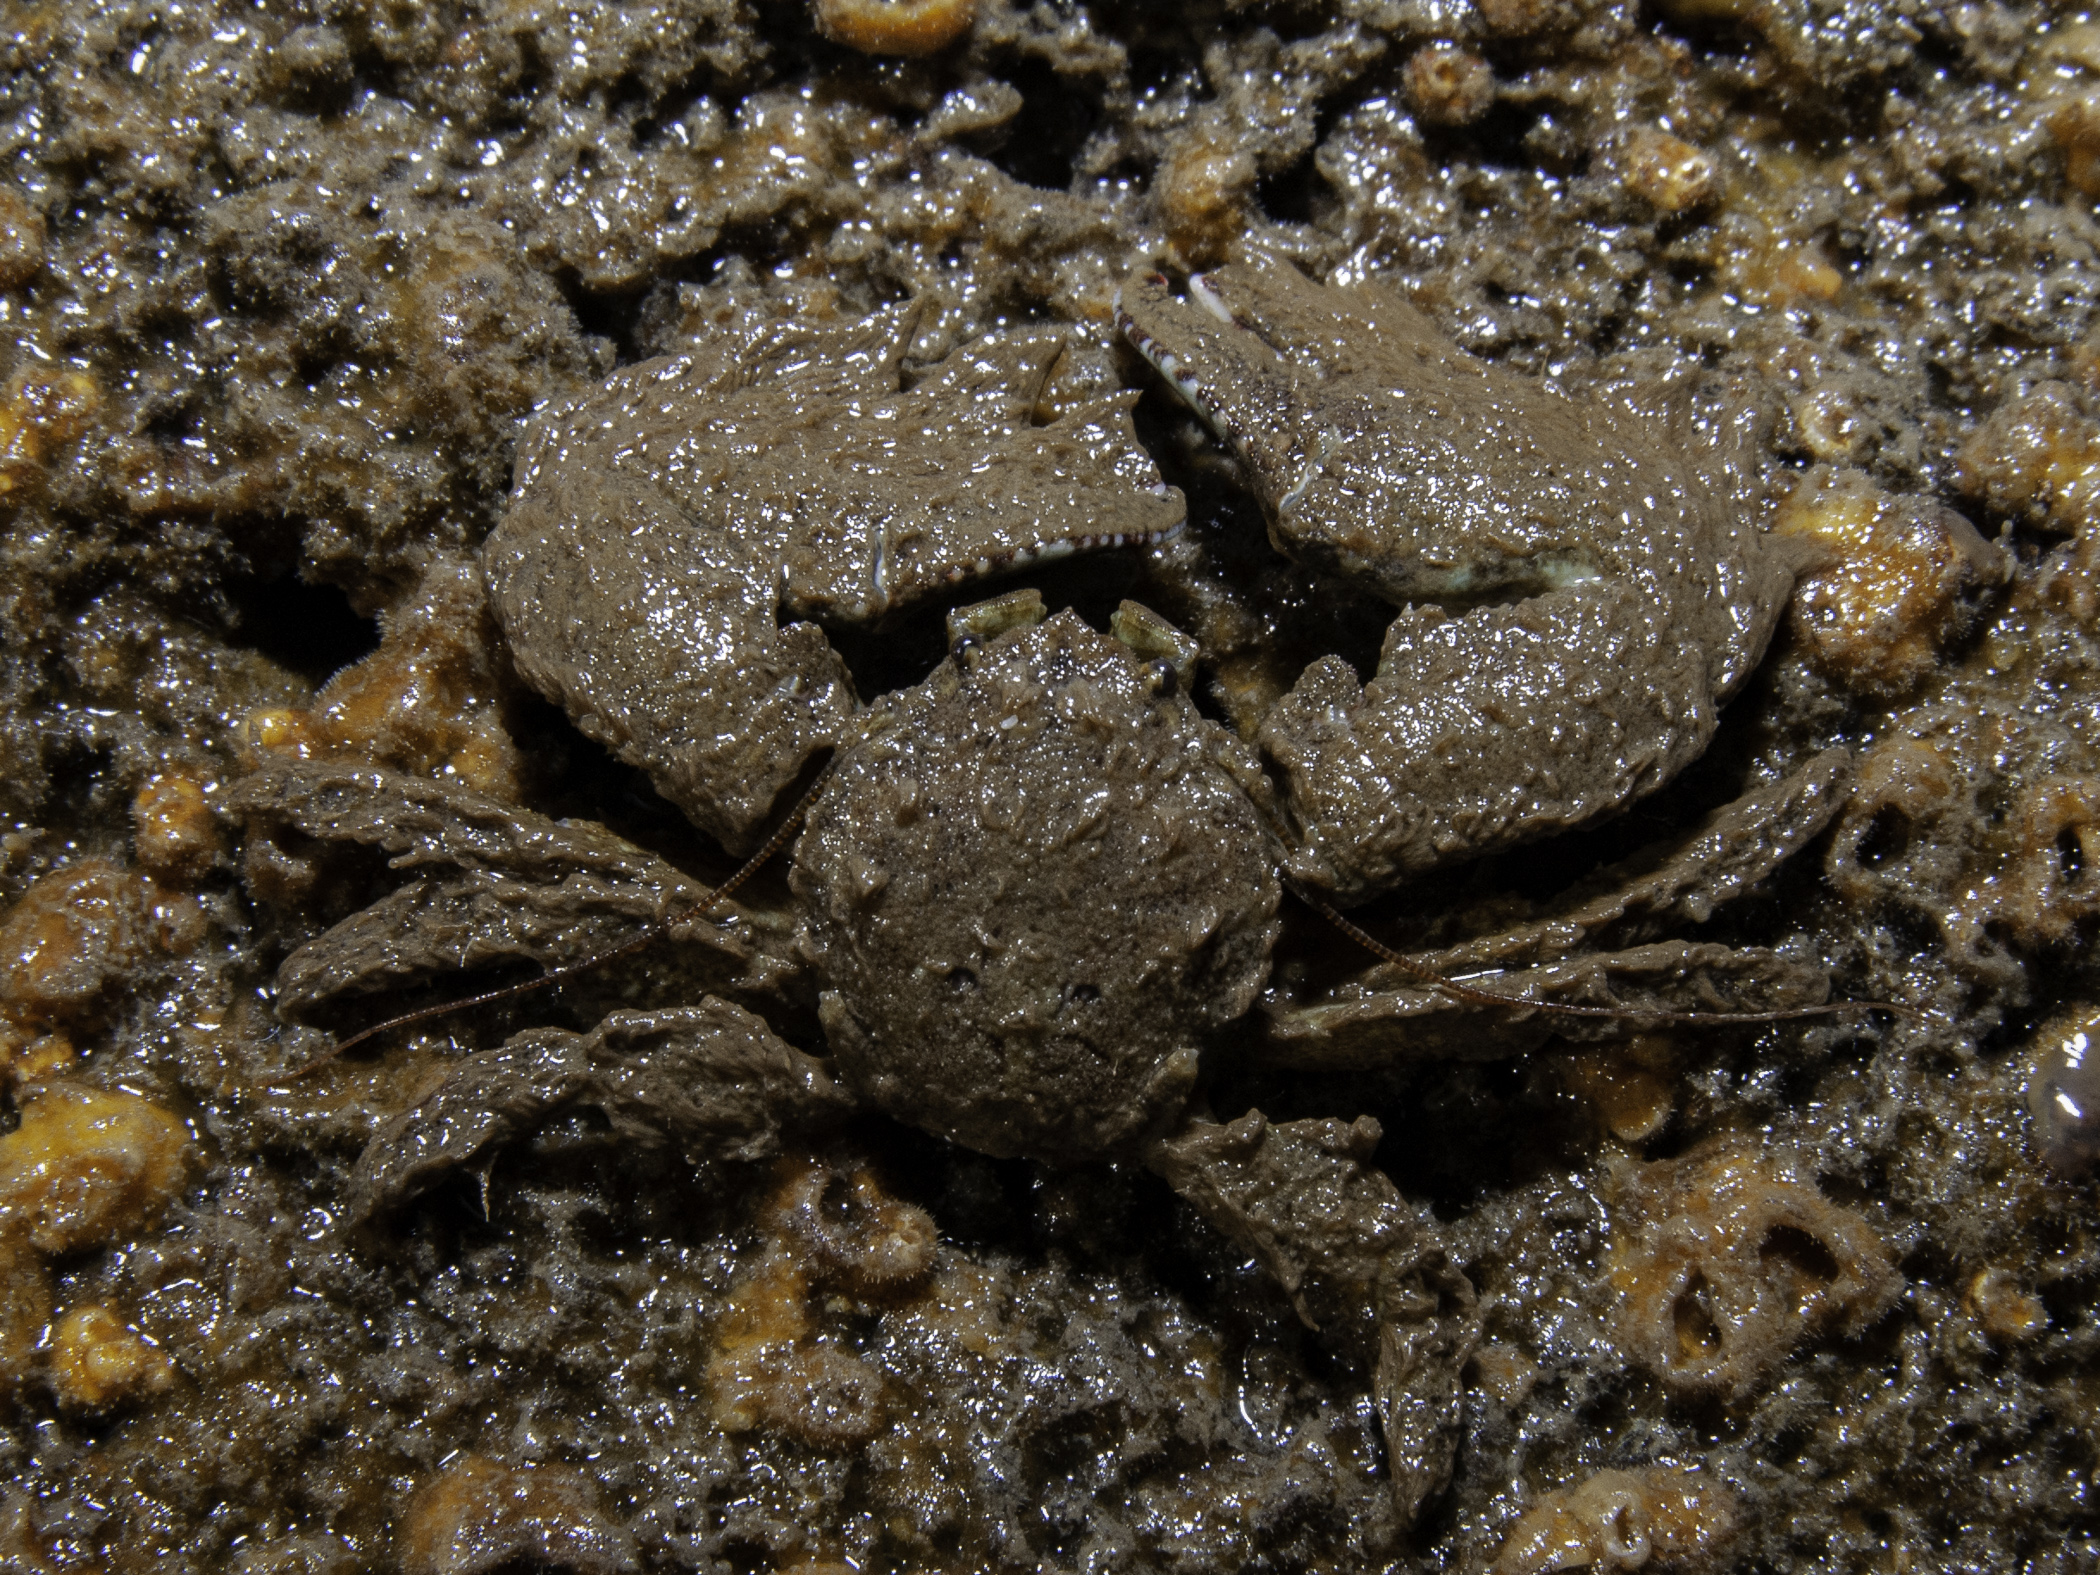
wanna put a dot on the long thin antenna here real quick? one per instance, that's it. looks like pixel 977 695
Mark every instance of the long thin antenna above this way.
pixel 647 935
pixel 1478 997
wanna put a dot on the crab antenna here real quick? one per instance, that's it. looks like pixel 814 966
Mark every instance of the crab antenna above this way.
pixel 649 933
pixel 1477 997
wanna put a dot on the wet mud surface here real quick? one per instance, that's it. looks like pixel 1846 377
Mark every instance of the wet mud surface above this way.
pixel 279 288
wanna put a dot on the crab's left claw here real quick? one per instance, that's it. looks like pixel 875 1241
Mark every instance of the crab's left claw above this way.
pixel 1365 1270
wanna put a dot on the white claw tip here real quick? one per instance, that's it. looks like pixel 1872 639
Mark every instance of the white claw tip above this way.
pixel 1204 296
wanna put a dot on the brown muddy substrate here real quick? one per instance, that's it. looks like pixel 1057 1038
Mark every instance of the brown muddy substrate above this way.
pixel 278 286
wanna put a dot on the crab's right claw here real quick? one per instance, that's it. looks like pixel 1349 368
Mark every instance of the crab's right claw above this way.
pixel 710 1081
pixel 1362 1267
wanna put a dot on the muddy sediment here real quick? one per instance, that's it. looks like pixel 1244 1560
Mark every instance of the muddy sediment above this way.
pixel 280 287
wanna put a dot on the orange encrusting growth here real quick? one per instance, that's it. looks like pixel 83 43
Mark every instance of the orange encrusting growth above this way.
pixel 895 27
pixel 1725 1262
pixel 424 701
pixel 830 1228
pixel 1669 1515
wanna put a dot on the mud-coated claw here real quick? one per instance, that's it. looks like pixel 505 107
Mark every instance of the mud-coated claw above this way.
pixel 1361 1266
pixel 1575 594
pixel 711 1081
pixel 676 536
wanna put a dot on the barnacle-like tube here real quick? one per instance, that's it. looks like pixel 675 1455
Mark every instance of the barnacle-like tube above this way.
pixel 856 1234
pixel 832 1226
pixel 1729 1262
pixel 1622 1520
pixel 481 1515
pixel 1900 581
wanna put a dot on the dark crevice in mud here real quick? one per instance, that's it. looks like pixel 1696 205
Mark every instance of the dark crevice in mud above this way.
pixel 1292 194
pixel 620 316
pixel 310 629
pixel 1043 142
pixel 902 649
pixel 571 776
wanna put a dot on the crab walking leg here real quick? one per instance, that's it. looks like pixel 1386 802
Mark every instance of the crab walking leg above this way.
pixel 493 884
pixel 1362 1268
pixel 711 1081
pixel 1576 593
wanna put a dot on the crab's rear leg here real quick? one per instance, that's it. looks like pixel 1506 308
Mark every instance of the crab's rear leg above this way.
pixel 494 884
pixel 709 1082
pixel 1362 1267
pixel 1637 990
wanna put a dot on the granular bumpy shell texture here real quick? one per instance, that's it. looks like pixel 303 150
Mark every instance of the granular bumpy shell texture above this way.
pixel 280 289
pixel 1042 778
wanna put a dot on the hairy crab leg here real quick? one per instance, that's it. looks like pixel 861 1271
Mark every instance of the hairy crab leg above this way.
pixel 1457 990
pixel 647 936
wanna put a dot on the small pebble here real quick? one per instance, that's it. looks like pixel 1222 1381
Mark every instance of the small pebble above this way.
pixel 98 1361
pixel 77 935
pixel 1449 86
pixel 87 1168
pixel 1633 1085
pixel 1666 172
pixel 2036 458
pixel 895 27
pixel 173 830
pixel 46 408
pixel 27 1057
pixel 2063 1090
pixel 1203 188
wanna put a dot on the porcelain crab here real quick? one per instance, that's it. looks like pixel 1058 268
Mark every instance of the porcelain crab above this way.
pixel 1037 886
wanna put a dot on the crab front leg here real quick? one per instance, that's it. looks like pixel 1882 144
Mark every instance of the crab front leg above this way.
pixel 1362 1268
pixel 1386 1016
pixel 711 1081
pixel 1574 601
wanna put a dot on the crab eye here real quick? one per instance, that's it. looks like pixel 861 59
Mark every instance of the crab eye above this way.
pixel 1161 679
pixel 964 648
